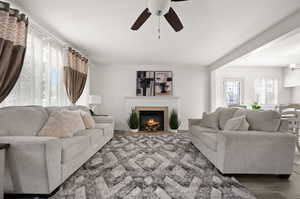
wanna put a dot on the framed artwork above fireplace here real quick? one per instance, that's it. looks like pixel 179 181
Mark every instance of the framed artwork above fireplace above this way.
pixel 154 83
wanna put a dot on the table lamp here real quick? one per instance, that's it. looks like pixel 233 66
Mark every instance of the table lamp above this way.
pixel 94 100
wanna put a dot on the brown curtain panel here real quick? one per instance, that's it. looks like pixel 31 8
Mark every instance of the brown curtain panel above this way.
pixel 75 74
pixel 13 36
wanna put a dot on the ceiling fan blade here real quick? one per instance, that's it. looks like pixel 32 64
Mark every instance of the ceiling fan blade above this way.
pixel 178 0
pixel 174 20
pixel 141 19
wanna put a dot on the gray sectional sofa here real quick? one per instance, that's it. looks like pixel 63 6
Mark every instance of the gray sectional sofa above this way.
pixel 38 165
pixel 266 148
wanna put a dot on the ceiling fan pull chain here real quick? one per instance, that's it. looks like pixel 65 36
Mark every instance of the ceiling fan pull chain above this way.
pixel 159 27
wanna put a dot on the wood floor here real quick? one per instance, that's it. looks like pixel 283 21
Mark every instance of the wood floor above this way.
pixel 272 187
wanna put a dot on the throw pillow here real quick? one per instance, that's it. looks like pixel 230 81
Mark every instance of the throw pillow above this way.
pixel 225 115
pixel 240 112
pixel 62 124
pixel 260 120
pixel 237 124
pixel 88 120
pixel 210 120
pixel 264 120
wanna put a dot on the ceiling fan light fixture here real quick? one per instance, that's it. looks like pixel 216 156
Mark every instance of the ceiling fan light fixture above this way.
pixel 159 7
pixel 294 66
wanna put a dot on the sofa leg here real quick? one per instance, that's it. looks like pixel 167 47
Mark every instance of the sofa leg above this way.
pixel 286 176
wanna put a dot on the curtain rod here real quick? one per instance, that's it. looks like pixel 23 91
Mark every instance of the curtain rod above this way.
pixel 35 24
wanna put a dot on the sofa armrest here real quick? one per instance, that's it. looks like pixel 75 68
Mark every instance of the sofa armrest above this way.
pixel 257 151
pixel 194 122
pixel 104 119
pixel 107 128
pixel 33 164
pixel 257 134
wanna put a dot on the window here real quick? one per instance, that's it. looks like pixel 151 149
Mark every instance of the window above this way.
pixel 266 91
pixel 232 89
pixel 41 78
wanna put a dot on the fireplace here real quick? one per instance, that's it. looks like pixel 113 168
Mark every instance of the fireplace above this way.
pixel 153 119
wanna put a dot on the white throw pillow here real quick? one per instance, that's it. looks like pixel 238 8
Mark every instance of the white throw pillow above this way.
pixel 237 124
pixel 62 124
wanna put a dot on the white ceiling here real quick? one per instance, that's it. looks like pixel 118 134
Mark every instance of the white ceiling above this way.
pixel 212 28
pixel 279 53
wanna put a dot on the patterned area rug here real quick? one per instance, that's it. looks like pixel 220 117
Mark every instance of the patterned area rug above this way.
pixel 149 167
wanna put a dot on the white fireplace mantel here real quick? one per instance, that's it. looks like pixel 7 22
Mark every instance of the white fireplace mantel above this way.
pixel 152 98
pixel 152 101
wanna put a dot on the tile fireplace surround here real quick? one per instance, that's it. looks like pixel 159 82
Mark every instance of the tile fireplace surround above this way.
pixel 153 103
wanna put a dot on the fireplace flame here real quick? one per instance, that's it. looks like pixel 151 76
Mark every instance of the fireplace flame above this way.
pixel 151 125
pixel 152 122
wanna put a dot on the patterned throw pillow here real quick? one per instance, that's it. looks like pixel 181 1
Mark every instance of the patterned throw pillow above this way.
pixel 237 124
pixel 62 124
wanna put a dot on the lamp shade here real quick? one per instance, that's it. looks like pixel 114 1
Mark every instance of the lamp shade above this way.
pixel 95 99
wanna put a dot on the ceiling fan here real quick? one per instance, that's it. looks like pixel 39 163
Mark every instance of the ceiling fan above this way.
pixel 160 8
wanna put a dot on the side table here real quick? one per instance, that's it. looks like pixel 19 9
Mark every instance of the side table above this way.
pixel 3 147
pixel 105 122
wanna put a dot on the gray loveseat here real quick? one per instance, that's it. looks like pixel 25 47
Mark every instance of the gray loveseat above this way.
pixel 38 165
pixel 266 148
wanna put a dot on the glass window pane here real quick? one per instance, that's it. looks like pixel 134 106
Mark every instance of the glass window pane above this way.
pixel 266 91
pixel 232 91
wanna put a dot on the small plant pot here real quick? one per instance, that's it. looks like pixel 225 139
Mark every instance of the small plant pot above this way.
pixel 134 130
pixel 173 130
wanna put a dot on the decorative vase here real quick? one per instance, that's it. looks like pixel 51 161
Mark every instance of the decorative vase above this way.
pixel 134 130
pixel 173 130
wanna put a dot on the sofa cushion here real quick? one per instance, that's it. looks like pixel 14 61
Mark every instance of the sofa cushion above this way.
pixel 51 109
pixel 210 120
pixel 240 112
pixel 103 119
pixel 260 120
pixel 199 129
pixel 62 124
pixel 237 123
pixel 73 147
pixel 225 115
pixel 22 121
pixel 25 139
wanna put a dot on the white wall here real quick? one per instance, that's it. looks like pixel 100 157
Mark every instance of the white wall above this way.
pixel 292 80
pixel 291 77
pixel 248 75
pixel 295 95
pixel 114 82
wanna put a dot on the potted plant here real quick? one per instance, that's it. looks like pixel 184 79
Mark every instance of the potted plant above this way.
pixel 255 106
pixel 133 121
pixel 174 122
